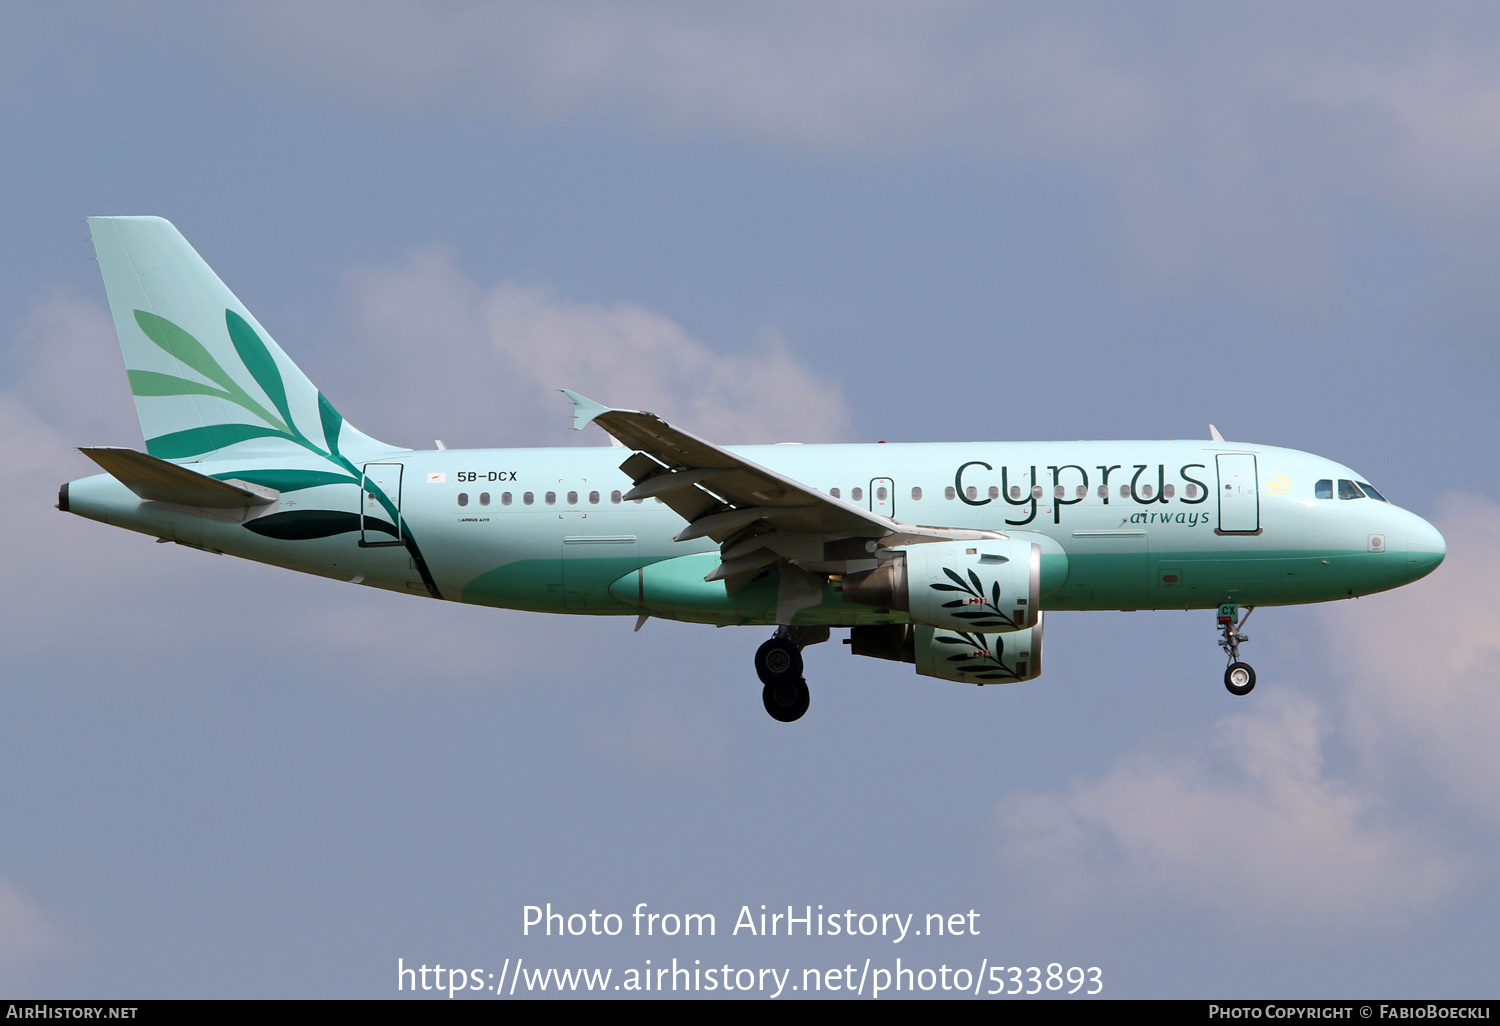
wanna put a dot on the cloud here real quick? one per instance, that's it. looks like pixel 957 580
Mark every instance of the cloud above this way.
pixel 869 77
pixel 1228 138
pixel 68 369
pixel 482 366
pixel 1252 827
pixel 1249 828
pixel 28 938
pixel 1422 669
pixel 69 389
pixel 1435 111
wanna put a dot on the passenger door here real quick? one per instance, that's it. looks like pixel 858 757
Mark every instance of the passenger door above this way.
pixel 1239 494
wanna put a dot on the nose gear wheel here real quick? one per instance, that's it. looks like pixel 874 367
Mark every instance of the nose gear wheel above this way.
pixel 1239 678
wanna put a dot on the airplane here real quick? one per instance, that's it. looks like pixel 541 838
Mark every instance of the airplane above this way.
pixel 942 555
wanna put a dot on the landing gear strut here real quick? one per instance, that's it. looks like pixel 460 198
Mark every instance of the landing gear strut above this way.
pixel 1239 677
pixel 778 664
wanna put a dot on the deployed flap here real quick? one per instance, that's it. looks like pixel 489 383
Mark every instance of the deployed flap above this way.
pixel 720 493
pixel 159 481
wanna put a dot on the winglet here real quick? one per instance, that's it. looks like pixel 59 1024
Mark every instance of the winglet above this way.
pixel 1213 433
pixel 584 409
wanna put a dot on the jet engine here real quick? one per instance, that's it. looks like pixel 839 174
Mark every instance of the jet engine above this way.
pixel 968 657
pixel 986 587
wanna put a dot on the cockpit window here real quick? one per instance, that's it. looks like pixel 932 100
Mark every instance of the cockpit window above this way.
pixel 1324 489
pixel 1372 493
pixel 1349 490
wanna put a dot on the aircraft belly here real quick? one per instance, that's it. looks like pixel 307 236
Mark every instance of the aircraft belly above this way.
pixel 675 589
pixel 1198 580
pixel 542 562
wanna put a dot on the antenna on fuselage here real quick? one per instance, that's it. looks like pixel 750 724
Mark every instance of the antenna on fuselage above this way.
pixel 1213 433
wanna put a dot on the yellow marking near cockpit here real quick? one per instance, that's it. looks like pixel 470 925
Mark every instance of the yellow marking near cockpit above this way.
pixel 1278 485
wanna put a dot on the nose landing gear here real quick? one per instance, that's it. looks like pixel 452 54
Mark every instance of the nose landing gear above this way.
pixel 778 664
pixel 1239 678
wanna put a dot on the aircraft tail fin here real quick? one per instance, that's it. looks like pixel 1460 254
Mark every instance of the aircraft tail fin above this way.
pixel 205 375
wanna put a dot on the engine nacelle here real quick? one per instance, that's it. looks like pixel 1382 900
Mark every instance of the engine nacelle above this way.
pixel 964 656
pixel 991 586
pixel 972 658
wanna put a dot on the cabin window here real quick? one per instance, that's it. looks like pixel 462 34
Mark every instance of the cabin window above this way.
pixel 614 496
pixel 463 498
pixel 994 492
pixel 1124 491
pixel 949 493
pixel 1145 491
pixel 550 498
pixel 1349 490
pixel 1059 492
pixel 593 498
pixel 1324 488
pixel 1104 491
pixel 1191 491
pixel 1015 493
pixel 528 498
pixel 1167 491
pixel 1080 491
pixel 881 494
pixel 856 494
pixel 505 498
pixel 971 492
pixel 835 493
pixel 1036 491
pixel 1372 493
pixel 484 498
pixel 916 493
pixel 572 498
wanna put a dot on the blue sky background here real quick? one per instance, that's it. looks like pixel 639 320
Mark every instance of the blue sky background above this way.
pixel 813 221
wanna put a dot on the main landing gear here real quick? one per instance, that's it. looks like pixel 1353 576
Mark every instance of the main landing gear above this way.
pixel 778 664
pixel 1239 677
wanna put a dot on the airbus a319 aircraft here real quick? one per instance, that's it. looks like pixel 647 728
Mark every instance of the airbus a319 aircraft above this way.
pixel 944 555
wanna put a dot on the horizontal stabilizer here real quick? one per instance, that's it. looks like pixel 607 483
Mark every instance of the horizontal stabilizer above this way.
pixel 159 481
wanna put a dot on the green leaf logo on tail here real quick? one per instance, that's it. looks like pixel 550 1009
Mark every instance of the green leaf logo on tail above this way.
pixel 255 356
pixel 191 353
pixel 257 359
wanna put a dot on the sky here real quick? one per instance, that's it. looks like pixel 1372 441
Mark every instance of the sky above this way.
pixel 766 222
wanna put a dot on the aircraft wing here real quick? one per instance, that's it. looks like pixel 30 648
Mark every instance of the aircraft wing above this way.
pixel 756 514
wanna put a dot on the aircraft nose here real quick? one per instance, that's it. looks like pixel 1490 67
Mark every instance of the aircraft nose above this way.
pixel 1425 549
